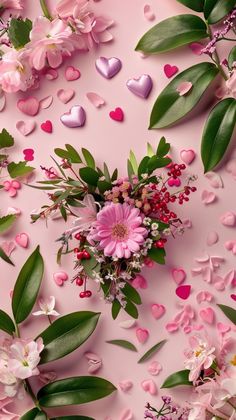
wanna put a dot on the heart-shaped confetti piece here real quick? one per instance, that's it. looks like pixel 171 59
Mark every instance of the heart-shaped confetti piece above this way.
pixel 183 292
pixel 29 106
pixel 76 117
pixel 47 126
pixel 95 99
pixel 187 156
pixel 25 127
pixel 117 115
pixel 22 239
pixel 149 386
pixel 65 95
pixel 170 70
pixel 207 315
pixel 158 310
pixel 108 67
pixel 178 275
pixel 60 277
pixel 141 86
pixel 142 335
pixel 71 74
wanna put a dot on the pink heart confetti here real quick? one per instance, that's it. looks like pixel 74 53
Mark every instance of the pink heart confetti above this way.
pixel 178 275
pixel 65 95
pixel 142 335
pixel 46 102
pixel 22 239
pixel 139 282
pixel 29 106
pixel 60 277
pixel 223 328
pixel 47 126
pixel 125 385
pixel 228 219
pixel 71 74
pixel 28 155
pixel 196 48
pixel 184 88
pixel 148 13
pixel 95 99
pixel 233 296
pixel 172 327
pixel 183 292
pixel 208 197
pixel 25 127
pixel 158 310
pixel 215 180
pixel 212 238
pixel 8 247
pixel 170 70
pixel 154 368
pixel 187 156
pixel 51 74
pixel 204 296
pixel 207 315
pixel 149 386
pixel 117 114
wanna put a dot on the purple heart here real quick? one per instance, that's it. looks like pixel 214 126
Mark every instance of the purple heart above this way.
pixel 75 117
pixel 141 86
pixel 108 67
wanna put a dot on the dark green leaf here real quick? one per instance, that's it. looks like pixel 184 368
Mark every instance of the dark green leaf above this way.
pixel 72 418
pixel 63 154
pixel 106 173
pixel 27 286
pixel 114 175
pixel 63 213
pixel 229 312
pixel 143 166
pixel 170 107
pixel 163 147
pixel 88 158
pixel 196 5
pixel 176 379
pixel 232 57
pixel 131 293
pixel 116 307
pixel 131 309
pixel 130 170
pixel 215 10
pixel 172 33
pixel 152 351
pixel 6 222
pixel 123 343
pixel 34 414
pixel 5 257
pixel 66 334
pixel 6 323
pixel 104 186
pixel 77 390
pixel 90 176
pixel 218 132
pixel 155 163
pixel 19 31
pixel 19 169
pixel 73 154
pixel 6 140
pixel 157 255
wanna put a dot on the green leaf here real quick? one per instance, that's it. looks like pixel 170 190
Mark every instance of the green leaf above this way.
pixel 133 162
pixel 34 414
pixel 104 186
pixel 6 140
pixel 232 57
pixel 172 33
pixel 130 170
pixel 163 147
pixel 229 312
pixel 150 151
pixel 27 286
pixel 115 309
pixel 106 173
pixel 114 175
pixel 123 343
pixel 170 107
pixel 155 163
pixel 19 32
pixel 90 265
pixel 88 158
pixel 19 169
pixel 157 255
pixel 215 10
pixel 217 132
pixel 72 418
pixel 6 323
pixel 196 5
pixel 90 176
pixel 73 154
pixel 5 257
pixel 131 309
pixel 176 379
pixel 152 351
pixel 131 293
pixel 66 334
pixel 77 390
pixel 6 222
pixel 143 166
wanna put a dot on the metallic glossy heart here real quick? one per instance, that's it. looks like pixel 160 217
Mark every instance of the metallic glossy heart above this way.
pixel 75 117
pixel 108 67
pixel 141 86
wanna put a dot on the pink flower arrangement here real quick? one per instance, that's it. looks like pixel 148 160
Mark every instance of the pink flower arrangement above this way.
pixel 200 356
pixel 15 71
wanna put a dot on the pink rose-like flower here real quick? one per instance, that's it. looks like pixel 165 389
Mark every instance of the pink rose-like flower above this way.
pixel 15 71
pixel 12 187
pixel 24 358
pixel 50 41
pixel 119 230
pixel 200 356
pixel 11 4
pixel 231 84
pixel 65 8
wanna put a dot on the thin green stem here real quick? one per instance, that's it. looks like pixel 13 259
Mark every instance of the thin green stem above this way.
pixel 45 10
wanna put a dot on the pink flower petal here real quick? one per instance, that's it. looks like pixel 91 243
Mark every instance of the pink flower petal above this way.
pixel 95 99
pixel 208 197
pixel 46 102
pixel 214 179
pixel 148 13
pixel 184 88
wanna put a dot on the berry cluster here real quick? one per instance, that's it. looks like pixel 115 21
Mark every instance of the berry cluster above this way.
pixel 82 254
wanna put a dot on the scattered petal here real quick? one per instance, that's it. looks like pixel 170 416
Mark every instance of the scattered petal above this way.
pixel 228 219
pixel 208 197
pixel 149 386
pixel 125 385
pixel 212 238
pixel 46 102
pixel 51 74
pixel 214 179
pixel 184 88
pixel 204 296
pixel 65 95
pixel 129 323
pixel 148 13
pixel 154 368
pixel 207 315
pixel 25 127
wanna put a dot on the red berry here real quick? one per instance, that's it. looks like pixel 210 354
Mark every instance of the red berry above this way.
pixel 88 293
pixel 80 255
pixel 86 255
pixel 79 281
pixel 82 295
pixel 76 250
pixel 78 236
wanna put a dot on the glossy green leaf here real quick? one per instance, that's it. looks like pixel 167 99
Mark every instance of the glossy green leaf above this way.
pixel 217 132
pixel 156 162
pixel 66 334
pixel 27 286
pixel 5 257
pixel 163 147
pixel 73 154
pixel 150 151
pixel 170 107
pixel 19 169
pixel 215 10
pixel 6 222
pixel 6 140
pixel 143 166
pixel 6 323
pixel 104 186
pixel 115 309
pixel 19 32
pixel 123 343
pixel 232 57
pixel 90 176
pixel 131 309
pixel 176 379
pixel 172 33
pixel 72 418
pixel 88 158
pixel 157 255
pixel 131 293
pixel 34 414
pixel 229 312
pixel 133 162
pixel 130 171
pixel 152 351
pixel 114 175
pixel 77 390
pixel 196 5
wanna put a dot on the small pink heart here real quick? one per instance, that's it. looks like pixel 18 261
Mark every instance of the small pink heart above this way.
pixel 207 315
pixel 184 88
pixel 208 197
pixel 183 292
pixel 117 115
pixel 125 385
pixel 170 70
pixel 47 126
pixel 228 218
pixel 60 277
pixel 142 335
pixel 178 275
pixel 154 368
pixel 139 282
pixel 157 310
pixel 22 240
pixel 174 182
pixel 149 386
pixel 51 74
pixel 212 238
pixel 223 328
pixel 187 156
pixel 28 155
pixel 71 74
pixel 95 99
pixel 204 296
pixel 25 127
pixel 65 95
pixel 233 297
pixel 29 106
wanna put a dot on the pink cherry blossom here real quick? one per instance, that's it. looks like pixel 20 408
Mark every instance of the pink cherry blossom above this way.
pixel 15 71
pixel 86 215
pixel 200 356
pixel 11 4
pixel 50 41
pixel 24 358
pixel 11 187
pixel 47 307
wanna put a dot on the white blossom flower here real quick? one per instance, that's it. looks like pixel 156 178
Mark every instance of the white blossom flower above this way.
pixel 47 307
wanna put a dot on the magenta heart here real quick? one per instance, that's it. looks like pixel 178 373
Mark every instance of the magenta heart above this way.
pixel 47 126
pixel 142 335
pixel 60 277
pixel 174 182
pixel 233 297
pixel 108 67
pixel 141 86
pixel 29 106
pixel 139 282
pixel 207 315
pixel 25 127
pixel 178 275
pixel 170 70
pixel 65 95
pixel 28 155
pixel 22 240
pixel 117 115
pixel 157 310
pixel 71 74
pixel 76 117
pixel 183 292
pixel 187 156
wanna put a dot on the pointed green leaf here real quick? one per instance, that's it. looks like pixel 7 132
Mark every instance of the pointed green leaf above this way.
pixel 104 186
pixel 19 169
pixel 6 222
pixel 152 351
pixel 34 414
pixel 27 286
pixel 155 163
pixel 131 309
pixel 157 255
pixel 77 390
pixel 73 154
pixel 196 5
pixel 116 307
pixel 123 343
pixel 143 166
pixel 215 10
pixel 66 334
pixel 170 107
pixel 106 172
pixel 176 379
pixel 232 57
pixel 133 161
pixel 89 175
pixel 6 323
pixel 19 32
pixel 5 257
pixel 88 158
pixel 130 171
pixel 229 312
pixel 6 140
pixel 131 293
pixel 172 33
pixel 217 132
pixel 114 175
pixel 163 147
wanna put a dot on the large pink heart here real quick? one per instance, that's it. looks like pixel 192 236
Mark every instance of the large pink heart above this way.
pixel 207 315
pixel 141 86
pixel 76 117
pixel 22 240
pixel 108 67
pixel 29 106
pixel 157 310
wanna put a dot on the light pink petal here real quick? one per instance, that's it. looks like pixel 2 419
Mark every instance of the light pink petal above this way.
pixel 95 99
pixel 184 88
pixel 148 13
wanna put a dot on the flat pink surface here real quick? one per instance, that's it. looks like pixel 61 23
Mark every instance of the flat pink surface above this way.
pixel 110 141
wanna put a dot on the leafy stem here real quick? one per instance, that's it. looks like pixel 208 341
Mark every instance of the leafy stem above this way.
pixel 45 9
pixel 215 56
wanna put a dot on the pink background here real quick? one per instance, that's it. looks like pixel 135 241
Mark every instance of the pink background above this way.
pixel 111 141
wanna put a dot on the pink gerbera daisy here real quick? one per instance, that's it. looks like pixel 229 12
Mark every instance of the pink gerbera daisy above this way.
pixel 119 230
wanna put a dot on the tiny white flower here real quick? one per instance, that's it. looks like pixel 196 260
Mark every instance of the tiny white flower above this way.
pixel 155 226
pixel 154 233
pixel 167 232
pixel 144 176
pixel 147 221
pixel 47 307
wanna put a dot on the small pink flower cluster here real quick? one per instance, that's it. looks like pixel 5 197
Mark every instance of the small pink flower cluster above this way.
pixel 73 27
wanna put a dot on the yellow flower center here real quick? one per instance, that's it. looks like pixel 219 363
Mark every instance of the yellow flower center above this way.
pixel 233 361
pixel 119 231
